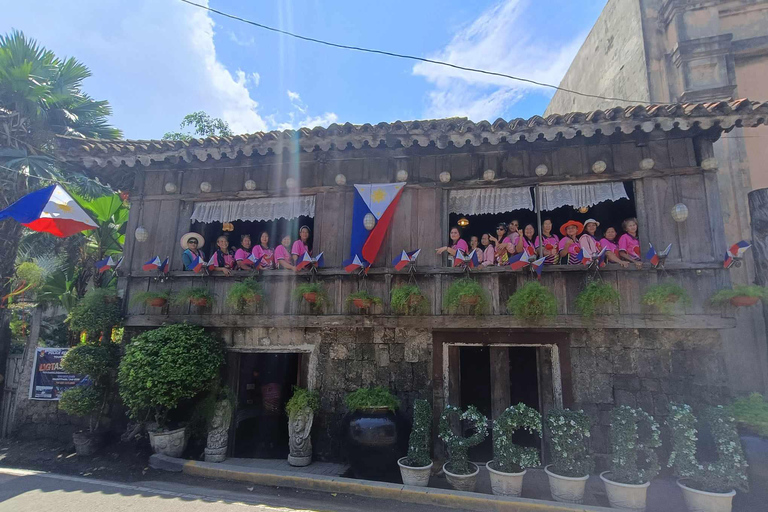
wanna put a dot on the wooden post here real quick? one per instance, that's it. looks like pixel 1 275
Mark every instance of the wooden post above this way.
pixel 758 212
pixel 500 392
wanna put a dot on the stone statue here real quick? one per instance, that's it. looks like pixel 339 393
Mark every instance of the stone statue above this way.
pixel 218 432
pixel 299 430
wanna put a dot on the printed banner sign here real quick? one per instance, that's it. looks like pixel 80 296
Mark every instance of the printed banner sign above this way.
pixel 49 381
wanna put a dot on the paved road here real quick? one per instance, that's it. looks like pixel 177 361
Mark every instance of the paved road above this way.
pixel 31 491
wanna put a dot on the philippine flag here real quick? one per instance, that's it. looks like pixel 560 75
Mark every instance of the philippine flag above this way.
pixel 519 260
pixel 354 264
pixel 735 252
pixel 307 260
pixel 651 256
pixel 152 264
pixel 472 259
pixel 165 266
pixel 196 265
pixel 253 260
pixel 105 264
pixel 50 210
pixel 538 266
pixel 372 214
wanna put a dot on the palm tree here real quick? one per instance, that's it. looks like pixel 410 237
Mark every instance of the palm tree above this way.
pixel 40 97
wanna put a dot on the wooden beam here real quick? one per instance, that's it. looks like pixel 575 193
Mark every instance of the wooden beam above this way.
pixel 500 392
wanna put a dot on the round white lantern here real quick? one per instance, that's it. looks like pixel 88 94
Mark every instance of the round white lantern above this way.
pixel 489 175
pixel 445 177
pixel 369 221
pixel 250 185
pixel 141 234
pixel 170 187
pixel 709 164
pixel 599 167
pixel 647 164
pixel 290 183
pixel 205 186
pixel 402 175
pixel 341 180
pixel 679 212
pixel 541 170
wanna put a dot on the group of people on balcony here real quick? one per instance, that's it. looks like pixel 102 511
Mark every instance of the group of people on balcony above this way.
pixel 225 259
pixel 575 237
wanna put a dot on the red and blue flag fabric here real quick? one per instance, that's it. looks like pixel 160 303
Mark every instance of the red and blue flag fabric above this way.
pixel 50 210
pixel 657 257
pixel 355 263
pixel 152 264
pixel 735 253
pixel 308 261
pixel 105 264
pixel 519 260
pixel 538 265
pixel 165 266
pixel 372 214
pixel 405 258
pixel 253 261
pixel 471 260
pixel 196 265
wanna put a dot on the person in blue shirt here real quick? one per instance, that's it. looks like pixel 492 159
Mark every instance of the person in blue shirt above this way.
pixel 192 243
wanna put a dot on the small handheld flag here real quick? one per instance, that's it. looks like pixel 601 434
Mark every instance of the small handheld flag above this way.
pixel 657 259
pixel 165 266
pixel 519 260
pixel 356 263
pixel 152 264
pixel 119 262
pixel 538 266
pixel 197 265
pixel 404 258
pixel 50 210
pixel 735 254
pixel 252 260
pixel 309 261
pixel 105 264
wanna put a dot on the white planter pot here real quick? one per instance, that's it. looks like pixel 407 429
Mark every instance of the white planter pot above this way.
pixel 418 477
pixel 566 489
pixel 505 484
pixel 171 443
pixel 630 497
pixel 462 482
pixel 704 501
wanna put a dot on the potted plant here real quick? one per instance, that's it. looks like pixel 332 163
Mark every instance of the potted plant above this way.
pixel 707 486
pixel 466 293
pixel 571 461
pixel 96 314
pixel 740 295
pixel 664 296
pixel 313 293
pixel 597 297
pixel 634 462
pixel 462 474
pixel 160 368
pixel 301 409
pixel 98 362
pixel 751 414
pixel 532 303
pixel 244 294
pixel 373 431
pixel 363 300
pixel 416 467
pixel 154 299
pixel 407 299
pixel 197 296
pixel 507 468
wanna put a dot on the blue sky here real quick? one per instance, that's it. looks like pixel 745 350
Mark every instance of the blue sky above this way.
pixel 157 60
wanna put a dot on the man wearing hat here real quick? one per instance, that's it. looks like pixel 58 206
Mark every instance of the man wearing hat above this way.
pixel 191 243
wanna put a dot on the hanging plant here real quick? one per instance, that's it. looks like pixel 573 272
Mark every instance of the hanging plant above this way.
pixel 245 294
pixel 532 302
pixel 740 295
pixel 363 300
pixel 664 296
pixel 154 299
pixel 597 297
pixel 200 297
pixel 408 300
pixel 466 293
pixel 313 293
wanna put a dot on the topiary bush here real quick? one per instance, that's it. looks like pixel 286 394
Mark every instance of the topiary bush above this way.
pixel 458 446
pixel 597 297
pixel 507 456
pixel 635 435
pixel 568 435
pixel 96 314
pixel 418 443
pixel 532 303
pixel 466 292
pixel 166 365
pixel 407 299
pixel 370 398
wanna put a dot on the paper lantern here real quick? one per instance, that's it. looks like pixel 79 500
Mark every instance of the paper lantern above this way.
pixel 680 212
pixel 445 177
pixel 170 187
pixel 341 180
pixel 647 164
pixel 709 164
pixel 583 209
pixel 141 234
pixel 489 175
pixel 402 175
pixel 369 221
pixel 205 186
pixel 463 222
pixel 599 167
pixel 250 185
pixel 290 183
pixel 541 170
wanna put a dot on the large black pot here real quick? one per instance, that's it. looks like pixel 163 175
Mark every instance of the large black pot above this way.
pixel 374 439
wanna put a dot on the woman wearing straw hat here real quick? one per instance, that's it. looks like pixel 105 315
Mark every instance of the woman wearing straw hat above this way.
pixel 569 245
pixel 191 243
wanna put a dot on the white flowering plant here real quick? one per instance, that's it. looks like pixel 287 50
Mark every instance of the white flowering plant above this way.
pixel 458 446
pixel 568 438
pixel 635 435
pixel 418 443
pixel 507 456
pixel 729 472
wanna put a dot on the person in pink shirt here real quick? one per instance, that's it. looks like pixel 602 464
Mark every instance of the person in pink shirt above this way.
pixel 457 244
pixel 264 252
pixel 489 251
pixel 587 241
pixel 611 248
pixel 526 241
pixel 241 255
pixel 569 245
pixel 223 258
pixel 301 245
pixel 509 243
pixel 282 256
pixel 474 245
pixel 629 245
pixel 550 242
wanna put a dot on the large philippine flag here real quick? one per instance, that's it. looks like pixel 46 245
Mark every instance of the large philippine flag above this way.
pixel 50 210
pixel 372 214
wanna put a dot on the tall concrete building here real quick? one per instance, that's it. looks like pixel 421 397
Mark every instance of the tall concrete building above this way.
pixel 688 51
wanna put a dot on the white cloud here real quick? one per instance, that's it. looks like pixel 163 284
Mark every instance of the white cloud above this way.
pixel 299 118
pixel 251 41
pixel 255 79
pixel 499 40
pixel 293 96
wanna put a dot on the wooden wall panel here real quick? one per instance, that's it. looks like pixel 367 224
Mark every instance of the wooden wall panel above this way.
pixel 695 232
pixel 232 179
pixel 681 153
pixel 462 168
pixel 403 228
pixel 167 223
pixel 627 157
pixel 426 213
pixel 570 161
pixel 659 197
pixel 148 218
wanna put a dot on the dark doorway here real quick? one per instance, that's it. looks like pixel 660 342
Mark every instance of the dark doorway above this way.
pixel 265 386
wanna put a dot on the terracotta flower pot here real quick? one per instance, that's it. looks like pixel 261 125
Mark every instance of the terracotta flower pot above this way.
pixel 672 298
pixel 744 301
pixel 199 301
pixel 469 300
pixel 252 300
pixel 157 302
pixel 362 303
pixel 703 501
pixel 310 297
pixel 414 300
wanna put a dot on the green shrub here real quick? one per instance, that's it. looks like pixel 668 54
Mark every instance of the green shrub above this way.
pixel 408 300
pixel 752 413
pixel 316 288
pixel 83 401
pixel 634 437
pixel 664 296
pixel 96 314
pixel 568 435
pixel 372 397
pixel 418 443
pixel 507 456
pixel 462 290
pixel 597 297
pixel 363 295
pixel 302 398
pixel 245 293
pixel 165 365
pixel 144 297
pixel 458 446
pixel 193 294
pixel 532 303
pixel 29 275
pixel 724 296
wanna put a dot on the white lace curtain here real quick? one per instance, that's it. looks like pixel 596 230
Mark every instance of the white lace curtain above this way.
pixel 555 196
pixel 478 201
pixel 255 210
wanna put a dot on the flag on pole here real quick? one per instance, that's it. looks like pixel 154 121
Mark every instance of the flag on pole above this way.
pixel 735 253
pixel 538 266
pixel 50 210
pixel 372 214
pixel 308 261
pixel 119 262
pixel 105 264
pixel 519 260
pixel 196 265
pixel 355 263
pixel 165 266
pixel 152 264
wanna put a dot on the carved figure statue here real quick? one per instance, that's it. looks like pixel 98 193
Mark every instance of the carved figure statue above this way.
pixel 299 430
pixel 218 432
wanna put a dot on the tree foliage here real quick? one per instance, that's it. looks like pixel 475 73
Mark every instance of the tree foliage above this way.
pixel 202 125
